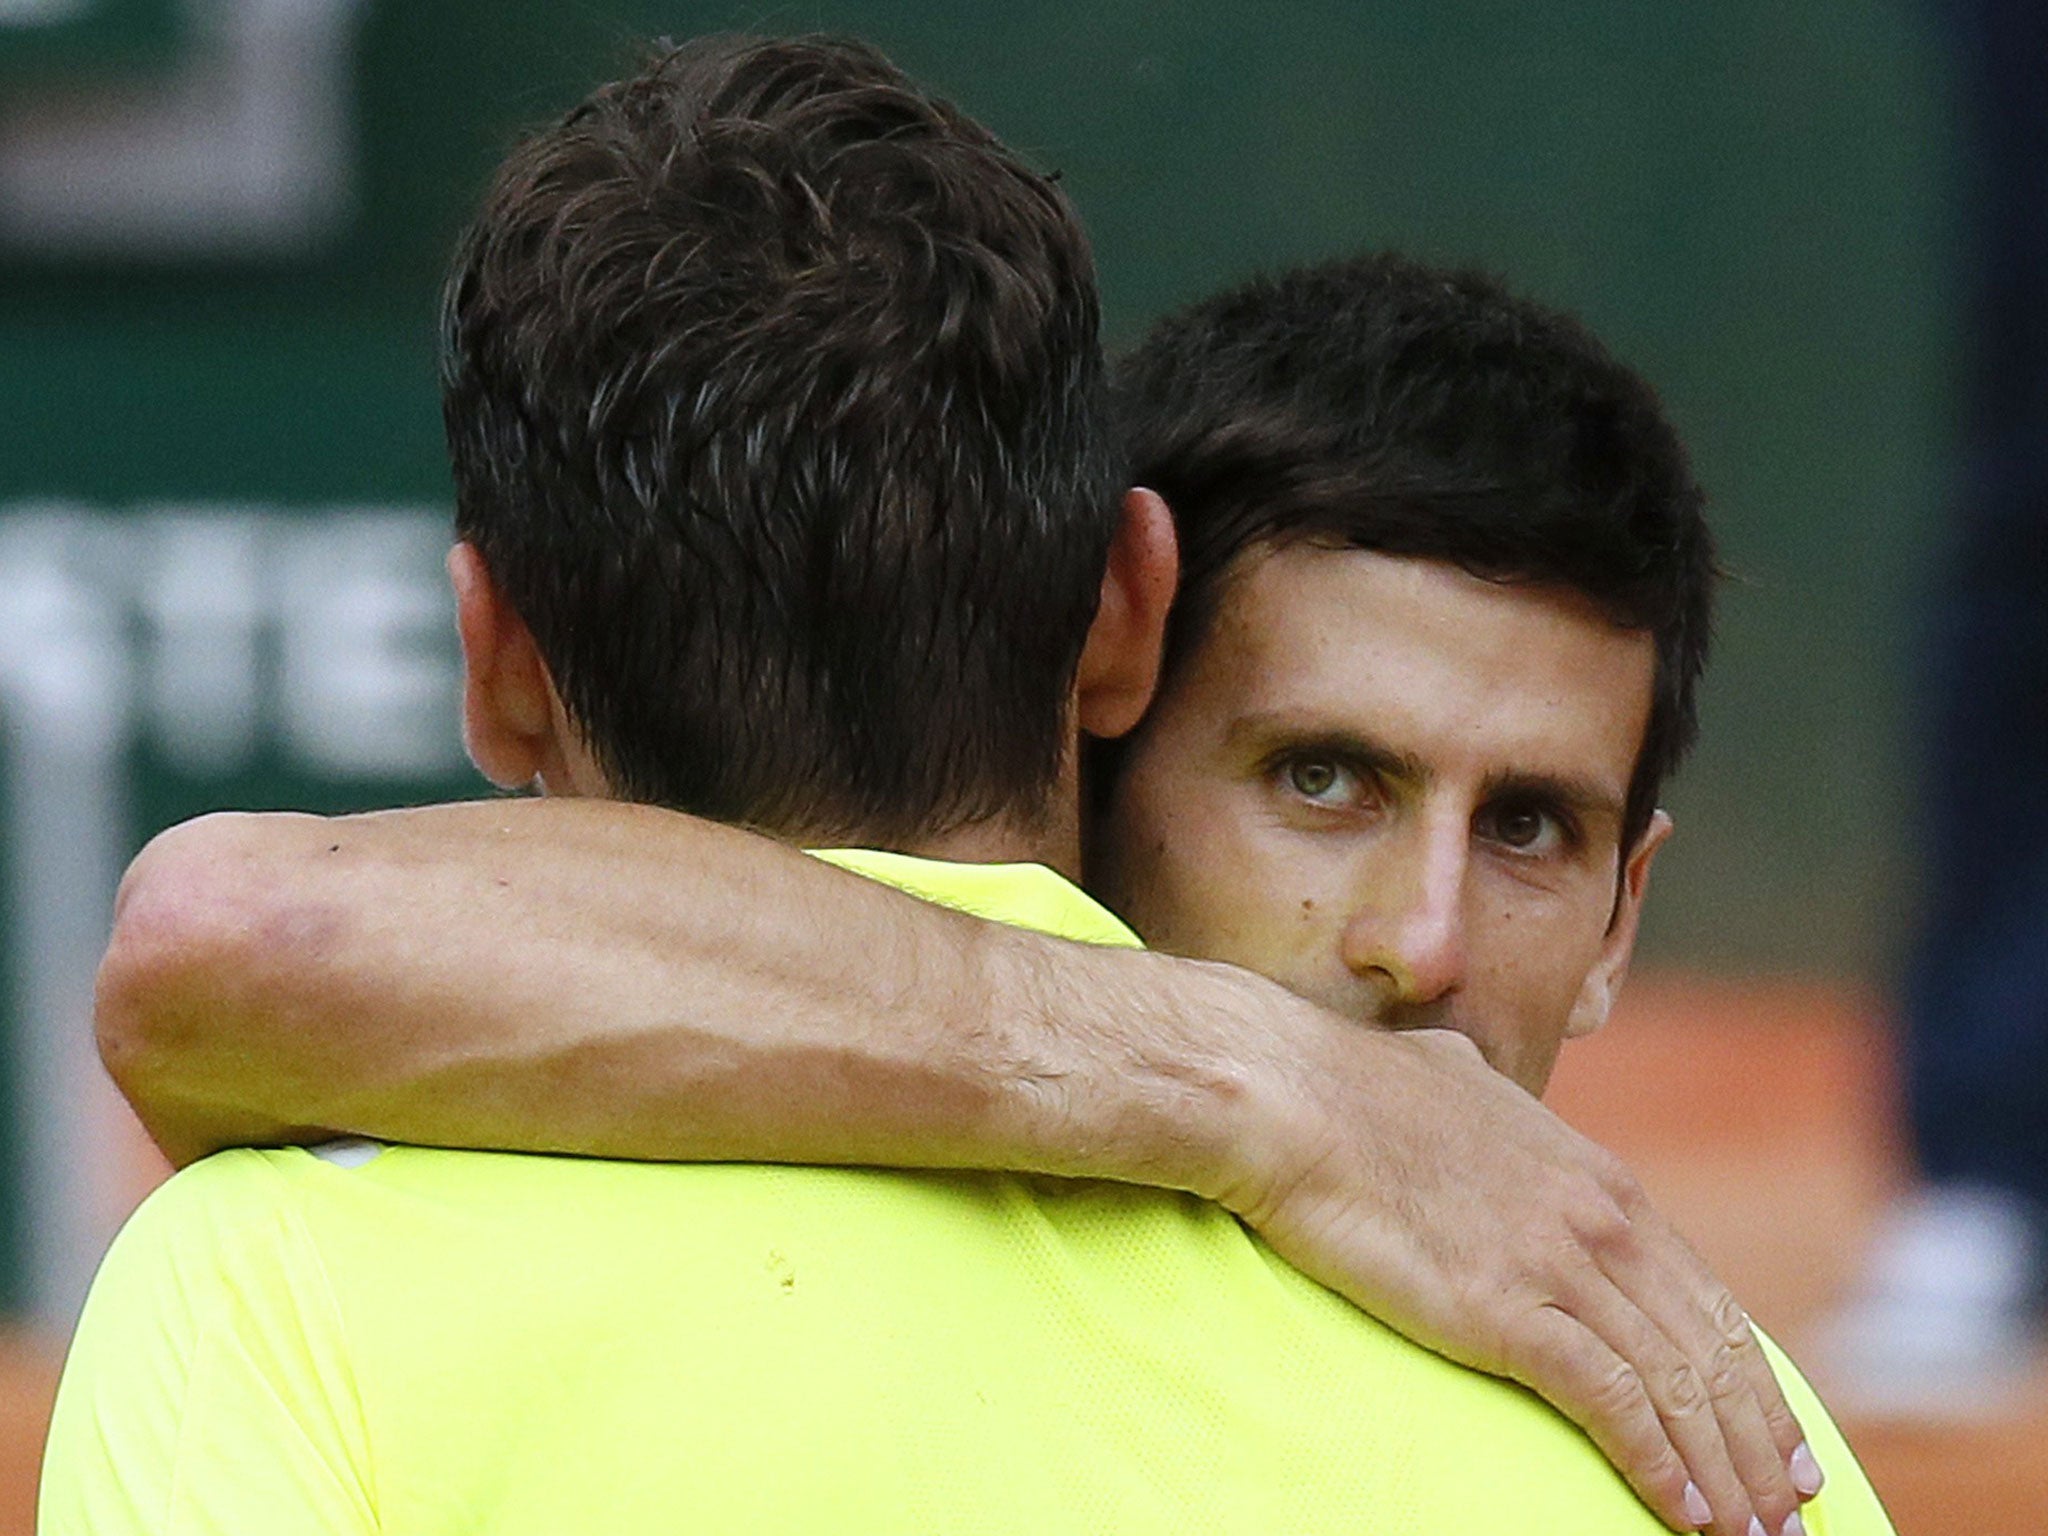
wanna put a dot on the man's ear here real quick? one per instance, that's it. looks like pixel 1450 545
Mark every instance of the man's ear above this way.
pixel 508 714
pixel 1120 663
pixel 1603 983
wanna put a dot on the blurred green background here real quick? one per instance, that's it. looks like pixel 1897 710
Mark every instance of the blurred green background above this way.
pixel 1748 198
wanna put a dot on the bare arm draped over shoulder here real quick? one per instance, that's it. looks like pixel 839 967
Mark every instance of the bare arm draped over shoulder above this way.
pixel 618 981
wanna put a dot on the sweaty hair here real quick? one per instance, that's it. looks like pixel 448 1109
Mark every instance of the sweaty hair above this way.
pixel 775 400
pixel 1380 404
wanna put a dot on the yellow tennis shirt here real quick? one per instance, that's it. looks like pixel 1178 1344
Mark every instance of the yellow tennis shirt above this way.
pixel 429 1342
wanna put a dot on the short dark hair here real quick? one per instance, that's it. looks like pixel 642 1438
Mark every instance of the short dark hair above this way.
pixel 774 393
pixel 1387 405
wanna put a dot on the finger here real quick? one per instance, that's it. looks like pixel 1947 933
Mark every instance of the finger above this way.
pixel 1659 1273
pixel 1740 1361
pixel 1723 1443
pixel 1652 1264
pixel 1663 1451
pixel 1787 1434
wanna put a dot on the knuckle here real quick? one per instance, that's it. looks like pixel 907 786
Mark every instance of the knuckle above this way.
pixel 1613 1174
pixel 1597 1219
pixel 1726 1380
pixel 1733 1323
pixel 1617 1391
pixel 1633 1199
pixel 1685 1394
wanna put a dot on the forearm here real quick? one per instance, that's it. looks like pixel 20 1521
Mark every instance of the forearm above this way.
pixel 611 980
pixel 582 977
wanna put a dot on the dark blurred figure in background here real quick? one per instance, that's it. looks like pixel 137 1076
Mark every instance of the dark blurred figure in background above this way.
pixel 1948 1306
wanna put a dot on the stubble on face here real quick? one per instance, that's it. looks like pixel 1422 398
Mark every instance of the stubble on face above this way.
pixel 1397 789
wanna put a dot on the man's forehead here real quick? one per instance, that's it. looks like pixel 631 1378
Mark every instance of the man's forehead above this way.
pixel 1429 660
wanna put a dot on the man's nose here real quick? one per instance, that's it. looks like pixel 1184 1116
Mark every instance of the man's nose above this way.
pixel 1407 933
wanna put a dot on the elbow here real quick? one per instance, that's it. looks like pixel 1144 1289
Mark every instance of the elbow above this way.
pixel 187 939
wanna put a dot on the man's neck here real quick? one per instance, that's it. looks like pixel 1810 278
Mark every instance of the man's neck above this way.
pixel 1051 838
pixel 1055 842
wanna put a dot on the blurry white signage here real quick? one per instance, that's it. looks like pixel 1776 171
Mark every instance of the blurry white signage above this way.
pixel 212 633
pixel 243 148
pixel 211 629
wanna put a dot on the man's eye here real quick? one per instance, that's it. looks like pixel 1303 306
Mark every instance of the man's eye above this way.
pixel 1312 777
pixel 1523 828
pixel 1317 778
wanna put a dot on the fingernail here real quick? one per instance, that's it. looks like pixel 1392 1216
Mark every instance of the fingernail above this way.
pixel 1807 1476
pixel 1793 1526
pixel 1756 1527
pixel 1697 1509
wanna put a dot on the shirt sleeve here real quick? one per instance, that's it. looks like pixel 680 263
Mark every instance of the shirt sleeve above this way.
pixel 1847 1505
pixel 208 1389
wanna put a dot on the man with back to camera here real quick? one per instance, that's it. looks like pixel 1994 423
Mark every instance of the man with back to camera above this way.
pixel 519 727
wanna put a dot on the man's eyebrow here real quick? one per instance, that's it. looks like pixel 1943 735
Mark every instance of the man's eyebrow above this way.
pixel 1270 729
pixel 1585 798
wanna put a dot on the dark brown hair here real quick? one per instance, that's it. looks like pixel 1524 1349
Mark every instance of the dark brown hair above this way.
pixel 1382 404
pixel 774 394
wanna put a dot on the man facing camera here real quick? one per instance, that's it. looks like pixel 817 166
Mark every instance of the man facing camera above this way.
pixel 786 498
